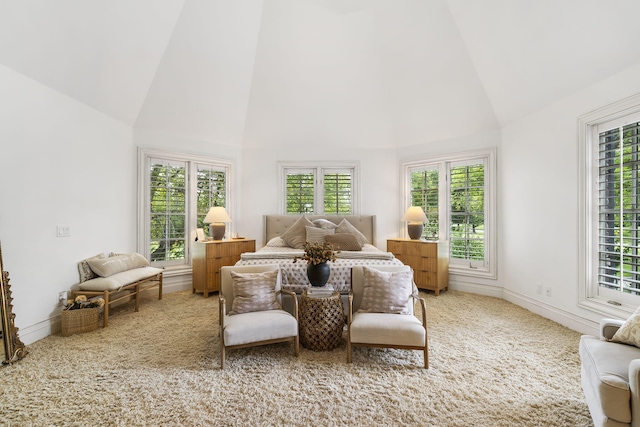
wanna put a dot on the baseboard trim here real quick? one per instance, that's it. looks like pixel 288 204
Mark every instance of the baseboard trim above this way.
pixel 569 320
pixel 30 334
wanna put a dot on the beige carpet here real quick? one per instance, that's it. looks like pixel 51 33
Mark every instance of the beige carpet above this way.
pixel 492 364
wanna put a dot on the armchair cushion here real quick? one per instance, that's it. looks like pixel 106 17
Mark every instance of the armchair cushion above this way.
pixel 629 332
pixel 250 327
pixel 387 291
pixel 254 292
pixel 387 329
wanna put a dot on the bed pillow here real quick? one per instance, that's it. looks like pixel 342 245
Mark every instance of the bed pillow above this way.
pixel 323 223
pixel 346 227
pixel 254 292
pixel 296 235
pixel 387 292
pixel 343 242
pixel 277 242
pixel 315 234
pixel 105 267
pixel 86 273
pixel 629 332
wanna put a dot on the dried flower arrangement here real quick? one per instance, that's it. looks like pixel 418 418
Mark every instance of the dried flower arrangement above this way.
pixel 316 253
pixel 82 302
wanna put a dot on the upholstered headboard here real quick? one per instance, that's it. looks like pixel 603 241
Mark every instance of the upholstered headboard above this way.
pixel 275 225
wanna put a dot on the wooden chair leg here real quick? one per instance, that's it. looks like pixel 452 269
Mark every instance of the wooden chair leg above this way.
pixel 222 349
pixel 160 287
pixel 297 346
pixel 348 350
pixel 105 313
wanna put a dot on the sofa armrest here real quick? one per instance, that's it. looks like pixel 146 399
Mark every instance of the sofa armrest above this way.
pixel 608 327
pixel 634 385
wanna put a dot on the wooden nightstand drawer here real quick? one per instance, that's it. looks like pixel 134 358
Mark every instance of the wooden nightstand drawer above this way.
pixel 209 257
pixel 428 259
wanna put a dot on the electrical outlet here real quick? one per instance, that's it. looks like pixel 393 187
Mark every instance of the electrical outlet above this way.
pixel 62 297
pixel 547 291
pixel 539 288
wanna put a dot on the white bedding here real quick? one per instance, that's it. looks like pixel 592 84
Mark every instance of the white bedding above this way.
pixel 294 275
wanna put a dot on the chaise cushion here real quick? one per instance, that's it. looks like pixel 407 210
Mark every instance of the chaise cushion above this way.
pixel 118 280
pixel 105 267
pixel 605 376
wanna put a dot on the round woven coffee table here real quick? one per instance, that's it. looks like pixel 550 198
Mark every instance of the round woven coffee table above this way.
pixel 321 321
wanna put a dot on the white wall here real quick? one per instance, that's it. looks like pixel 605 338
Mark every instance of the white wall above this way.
pixel 539 199
pixel 62 163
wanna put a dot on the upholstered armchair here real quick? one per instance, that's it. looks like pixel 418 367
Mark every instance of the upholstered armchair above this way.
pixel 610 374
pixel 381 310
pixel 251 311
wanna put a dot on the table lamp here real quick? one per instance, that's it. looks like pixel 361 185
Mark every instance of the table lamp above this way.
pixel 415 218
pixel 216 217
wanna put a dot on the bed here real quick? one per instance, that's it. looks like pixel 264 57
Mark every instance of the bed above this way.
pixel 277 248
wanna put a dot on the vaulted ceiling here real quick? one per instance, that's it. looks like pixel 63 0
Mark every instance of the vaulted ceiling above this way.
pixel 373 73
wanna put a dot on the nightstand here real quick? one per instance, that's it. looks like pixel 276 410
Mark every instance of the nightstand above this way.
pixel 209 257
pixel 428 259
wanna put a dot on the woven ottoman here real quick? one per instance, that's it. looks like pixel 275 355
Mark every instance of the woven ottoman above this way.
pixel 321 321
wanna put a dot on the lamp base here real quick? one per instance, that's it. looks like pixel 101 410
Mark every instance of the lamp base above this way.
pixel 415 231
pixel 217 231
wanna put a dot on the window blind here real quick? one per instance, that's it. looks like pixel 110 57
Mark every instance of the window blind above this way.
pixel 424 193
pixel 300 190
pixel 211 184
pixel 467 211
pixel 619 208
pixel 337 193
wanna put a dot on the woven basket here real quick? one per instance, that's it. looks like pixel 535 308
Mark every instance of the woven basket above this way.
pixel 79 321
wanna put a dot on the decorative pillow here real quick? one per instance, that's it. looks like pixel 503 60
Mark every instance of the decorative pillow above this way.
pixel 86 273
pixel 315 234
pixel 105 267
pixel 346 227
pixel 296 235
pixel 323 223
pixel 277 242
pixel 629 332
pixel 386 291
pixel 343 242
pixel 254 292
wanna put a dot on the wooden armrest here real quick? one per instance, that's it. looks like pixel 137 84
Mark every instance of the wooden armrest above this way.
pixel 223 309
pixel 295 301
pixel 423 307
pixel 350 311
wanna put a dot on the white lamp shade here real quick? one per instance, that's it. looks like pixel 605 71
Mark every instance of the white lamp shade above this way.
pixel 415 214
pixel 216 214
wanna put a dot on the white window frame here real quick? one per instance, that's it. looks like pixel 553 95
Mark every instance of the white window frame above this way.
pixel 487 268
pixel 318 169
pixel 590 295
pixel 145 155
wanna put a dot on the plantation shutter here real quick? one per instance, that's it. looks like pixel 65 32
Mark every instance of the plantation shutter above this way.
pixel 338 195
pixel 300 191
pixel 424 193
pixel 619 207
pixel 168 210
pixel 211 190
pixel 467 194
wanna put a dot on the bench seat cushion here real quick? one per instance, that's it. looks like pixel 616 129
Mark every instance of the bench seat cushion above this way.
pixel 118 280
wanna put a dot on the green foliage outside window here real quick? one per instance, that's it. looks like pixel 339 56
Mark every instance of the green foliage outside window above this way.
pixel 167 212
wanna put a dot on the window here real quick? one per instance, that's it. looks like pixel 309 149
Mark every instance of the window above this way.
pixel 319 189
pixel 609 141
pixel 176 191
pixel 457 193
